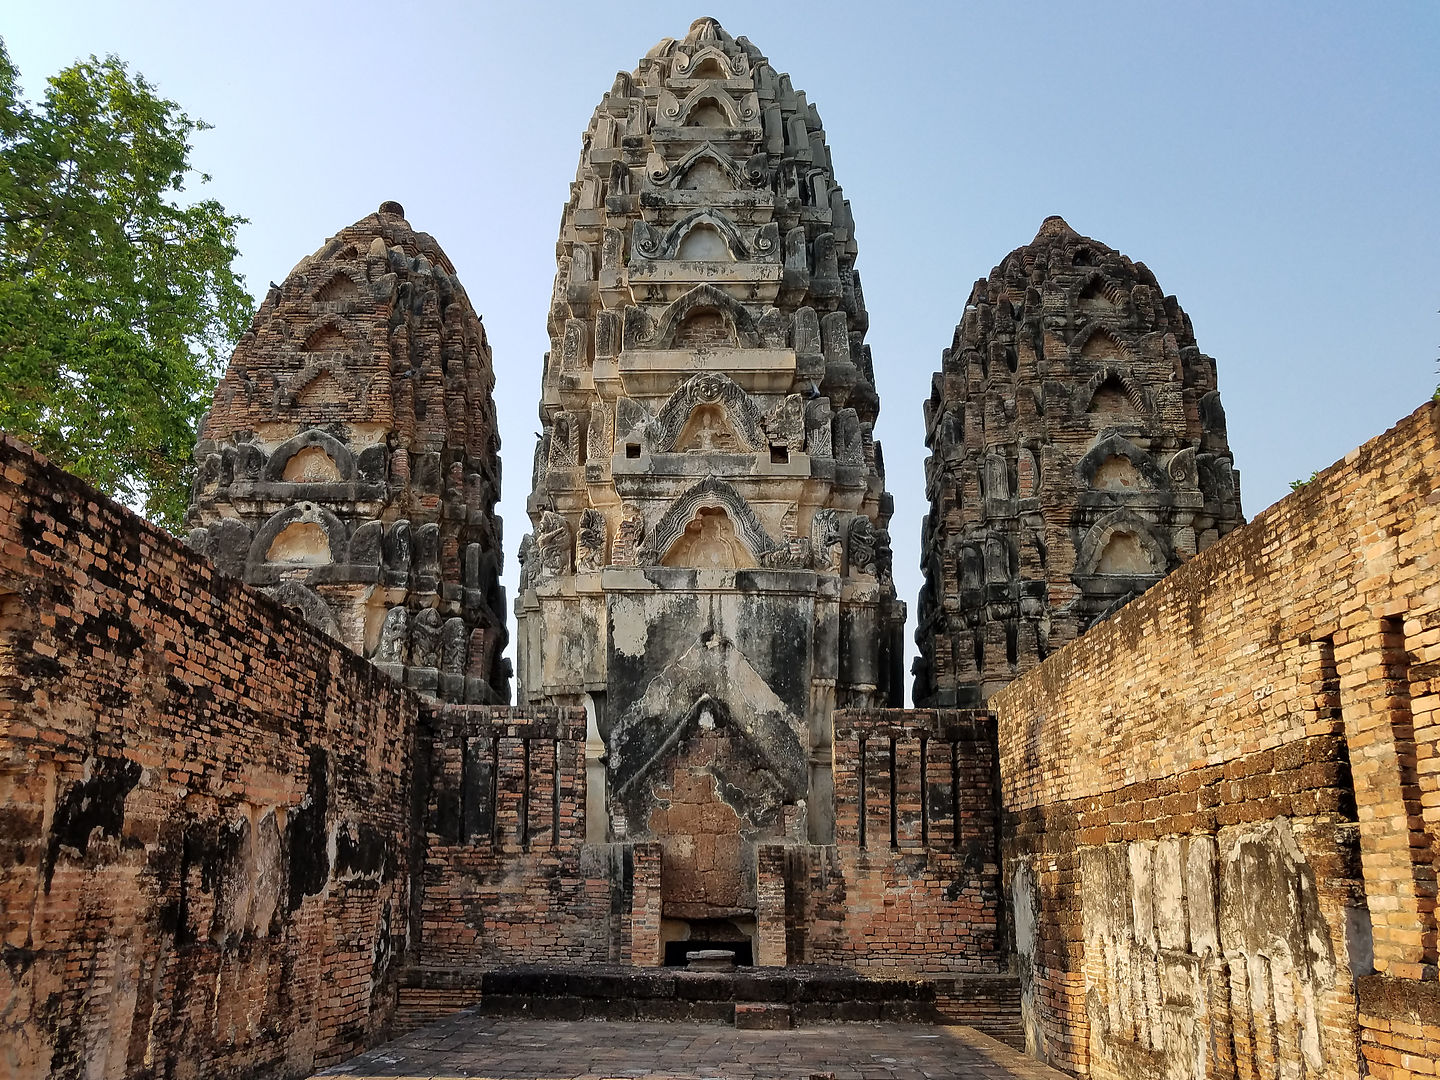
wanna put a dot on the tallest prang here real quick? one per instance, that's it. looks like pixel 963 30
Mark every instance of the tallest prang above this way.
pixel 709 571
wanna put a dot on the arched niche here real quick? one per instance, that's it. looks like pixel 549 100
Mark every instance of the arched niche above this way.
pixel 310 457
pixel 1112 391
pixel 300 535
pixel 719 404
pixel 310 604
pixel 331 334
pixel 712 309
pixel 1098 345
pixel 709 541
pixel 704 243
pixel 1121 544
pixel 1117 464
pixel 739 522
pixel 702 236
pixel 706 168
pixel 342 286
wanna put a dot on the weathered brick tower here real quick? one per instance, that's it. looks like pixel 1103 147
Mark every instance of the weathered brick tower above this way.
pixel 710 567
pixel 1078 454
pixel 350 463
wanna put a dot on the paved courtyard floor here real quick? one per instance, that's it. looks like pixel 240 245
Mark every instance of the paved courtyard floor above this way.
pixel 467 1045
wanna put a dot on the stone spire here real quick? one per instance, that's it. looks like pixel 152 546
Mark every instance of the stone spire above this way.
pixel 710 563
pixel 349 465
pixel 1078 454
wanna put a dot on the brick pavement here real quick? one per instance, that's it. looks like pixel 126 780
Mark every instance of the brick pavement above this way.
pixel 473 1046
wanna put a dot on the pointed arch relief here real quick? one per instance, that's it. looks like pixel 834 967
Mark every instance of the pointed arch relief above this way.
pixel 706 106
pixel 322 382
pixel 310 457
pixel 342 285
pixel 1117 464
pixel 703 236
pixel 709 404
pixel 1112 390
pixel 712 523
pixel 719 314
pixel 1121 544
pixel 330 335
pixel 1096 294
pixel 1098 345
pixel 709 62
pixel 720 172
pixel 300 535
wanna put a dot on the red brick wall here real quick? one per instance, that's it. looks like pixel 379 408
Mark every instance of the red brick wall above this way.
pixel 205 806
pixel 910 895
pixel 1217 802
pixel 507 876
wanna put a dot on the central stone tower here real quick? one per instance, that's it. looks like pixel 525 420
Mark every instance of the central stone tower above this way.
pixel 709 572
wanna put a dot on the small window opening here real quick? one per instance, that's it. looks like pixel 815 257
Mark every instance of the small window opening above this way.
pixel 632 450
pixel 779 455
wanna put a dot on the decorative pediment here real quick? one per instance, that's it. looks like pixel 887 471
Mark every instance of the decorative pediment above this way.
pixel 709 494
pixel 722 396
pixel 1121 544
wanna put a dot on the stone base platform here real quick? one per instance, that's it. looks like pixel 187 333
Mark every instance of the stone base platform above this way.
pixel 806 996
pixel 500 1048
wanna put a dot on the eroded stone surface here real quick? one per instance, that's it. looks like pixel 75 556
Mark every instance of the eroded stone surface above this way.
pixel 349 465
pixel 1078 454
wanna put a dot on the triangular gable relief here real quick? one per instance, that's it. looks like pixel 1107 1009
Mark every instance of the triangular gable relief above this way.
pixel 713 677
pixel 709 542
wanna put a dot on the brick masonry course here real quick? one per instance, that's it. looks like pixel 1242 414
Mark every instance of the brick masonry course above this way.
pixel 1220 806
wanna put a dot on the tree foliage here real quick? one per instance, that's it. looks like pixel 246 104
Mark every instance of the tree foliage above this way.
pixel 118 302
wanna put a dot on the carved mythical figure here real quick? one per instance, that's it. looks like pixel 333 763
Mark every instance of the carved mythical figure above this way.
pixel 785 425
pixel 394 634
pixel 425 639
pixel 526 556
pixel 826 542
pixel 453 639
pixel 628 536
pixel 590 542
pixel 862 546
pixel 553 540
pixel 884 557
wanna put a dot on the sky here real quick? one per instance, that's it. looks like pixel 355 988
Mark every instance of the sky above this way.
pixel 1277 166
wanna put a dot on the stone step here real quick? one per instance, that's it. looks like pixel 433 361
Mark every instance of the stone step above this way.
pixel 804 995
pixel 762 1016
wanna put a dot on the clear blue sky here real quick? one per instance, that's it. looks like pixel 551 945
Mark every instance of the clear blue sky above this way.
pixel 1277 166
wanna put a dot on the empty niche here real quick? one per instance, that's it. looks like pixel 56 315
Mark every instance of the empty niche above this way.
pixel 327 339
pixel 1110 397
pixel 1124 554
pixel 301 543
pixel 1117 473
pixel 706 175
pixel 1094 300
pixel 338 288
pixel 709 68
pixel 708 429
pixel 311 465
pixel 703 243
pixel 707 113
pixel 705 327
pixel 323 389
pixel 709 543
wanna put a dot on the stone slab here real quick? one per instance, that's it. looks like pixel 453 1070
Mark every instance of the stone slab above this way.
pixel 476 1046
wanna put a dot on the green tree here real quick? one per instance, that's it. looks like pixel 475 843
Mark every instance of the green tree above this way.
pixel 118 302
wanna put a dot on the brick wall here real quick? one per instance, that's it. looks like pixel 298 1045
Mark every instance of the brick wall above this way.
pixel 1220 805
pixel 904 888
pixel 507 875
pixel 205 808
